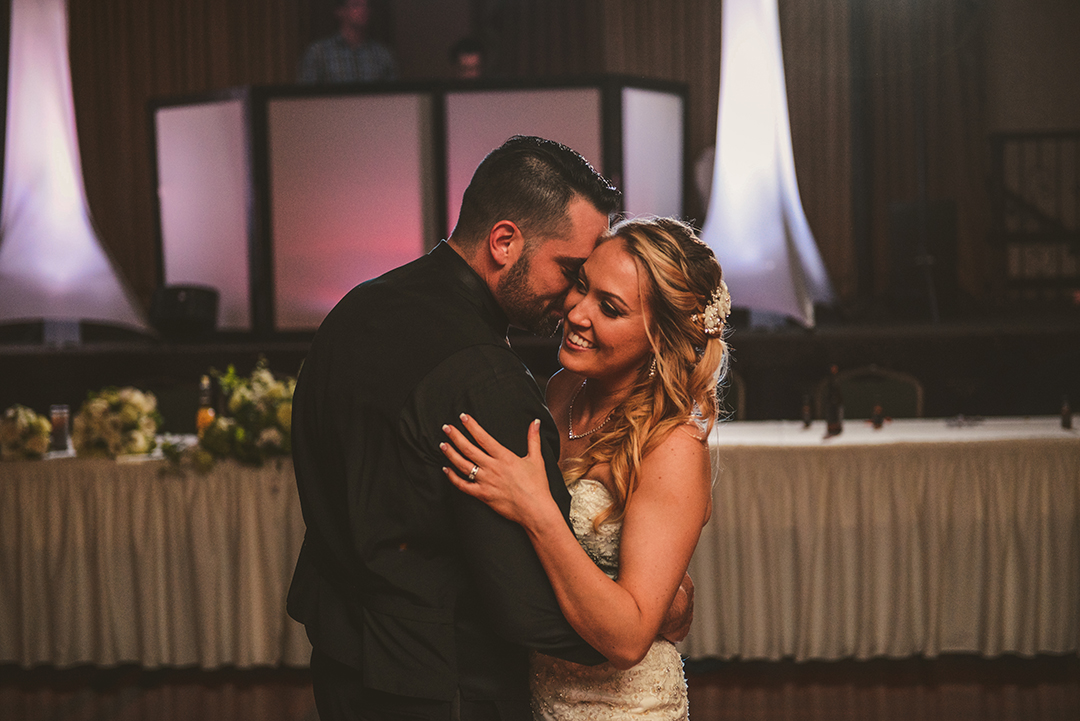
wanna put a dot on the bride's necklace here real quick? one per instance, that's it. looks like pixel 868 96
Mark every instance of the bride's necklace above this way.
pixel 570 418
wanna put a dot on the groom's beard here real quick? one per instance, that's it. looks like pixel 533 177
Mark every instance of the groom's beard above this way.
pixel 525 310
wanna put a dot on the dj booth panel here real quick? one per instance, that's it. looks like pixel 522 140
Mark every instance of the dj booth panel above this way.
pixel 350 189
pixel 634 135
pixel 284 198
pixel 479 120
pixel 204 196
pixel 653 130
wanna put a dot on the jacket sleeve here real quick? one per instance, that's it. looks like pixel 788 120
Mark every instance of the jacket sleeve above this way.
pixel 492 385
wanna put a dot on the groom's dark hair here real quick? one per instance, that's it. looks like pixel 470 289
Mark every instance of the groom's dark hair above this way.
pixel 530 181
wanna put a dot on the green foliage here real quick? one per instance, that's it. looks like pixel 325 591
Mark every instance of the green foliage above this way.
pixel 257 424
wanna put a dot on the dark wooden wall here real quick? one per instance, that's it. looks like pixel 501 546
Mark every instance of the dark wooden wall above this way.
pixel 857 72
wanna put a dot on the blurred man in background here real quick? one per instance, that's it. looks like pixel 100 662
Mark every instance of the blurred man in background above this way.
pixel 350 55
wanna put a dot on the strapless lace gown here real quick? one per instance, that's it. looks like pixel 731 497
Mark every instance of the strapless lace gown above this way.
pixel 654 690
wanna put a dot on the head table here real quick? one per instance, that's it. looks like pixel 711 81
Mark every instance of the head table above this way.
pixel 923 537
pixel 105 562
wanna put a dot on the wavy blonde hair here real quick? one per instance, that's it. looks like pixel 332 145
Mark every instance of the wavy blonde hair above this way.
pixel 680 275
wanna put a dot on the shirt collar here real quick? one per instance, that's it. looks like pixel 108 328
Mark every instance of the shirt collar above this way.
pixel 472 286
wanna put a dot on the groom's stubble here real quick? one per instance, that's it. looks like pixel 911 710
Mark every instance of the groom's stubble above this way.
pixel 520 302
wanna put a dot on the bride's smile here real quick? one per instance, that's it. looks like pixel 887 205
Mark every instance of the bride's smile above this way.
pixel 604 329
pixel 573 338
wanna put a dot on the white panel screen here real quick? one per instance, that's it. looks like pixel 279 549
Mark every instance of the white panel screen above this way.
pixel 477 122
pixel 652 152
pixel 350 196
pixel 203 192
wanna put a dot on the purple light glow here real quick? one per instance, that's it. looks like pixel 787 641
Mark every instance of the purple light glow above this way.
pixel 756 222
pixel 51 263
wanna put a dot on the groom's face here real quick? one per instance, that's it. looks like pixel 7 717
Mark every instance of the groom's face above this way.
pixel 533 290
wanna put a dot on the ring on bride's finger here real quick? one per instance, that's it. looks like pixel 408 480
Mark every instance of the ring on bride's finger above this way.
pixel 473 472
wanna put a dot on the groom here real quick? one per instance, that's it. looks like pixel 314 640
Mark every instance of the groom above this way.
pixel 420 601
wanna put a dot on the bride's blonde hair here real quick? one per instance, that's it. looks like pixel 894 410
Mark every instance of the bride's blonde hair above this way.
pixel 682 279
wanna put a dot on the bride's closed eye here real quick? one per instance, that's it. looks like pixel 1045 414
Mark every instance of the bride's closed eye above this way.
pixel 610 310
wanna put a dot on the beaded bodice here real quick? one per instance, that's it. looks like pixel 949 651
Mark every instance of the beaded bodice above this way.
pixel 654 690
pixel 588 498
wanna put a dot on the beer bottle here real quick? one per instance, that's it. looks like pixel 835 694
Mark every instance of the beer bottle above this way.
pixel 205 415
pixel 834 407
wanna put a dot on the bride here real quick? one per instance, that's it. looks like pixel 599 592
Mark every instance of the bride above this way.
pixel 641 351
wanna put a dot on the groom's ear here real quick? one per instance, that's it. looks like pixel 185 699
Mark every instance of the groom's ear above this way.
pixel 505 243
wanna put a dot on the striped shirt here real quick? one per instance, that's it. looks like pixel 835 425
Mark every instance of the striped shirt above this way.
pixel 334 60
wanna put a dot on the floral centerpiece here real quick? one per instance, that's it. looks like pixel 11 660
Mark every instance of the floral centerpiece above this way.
pixel 116 422
pixel 23 434
pixel 258 422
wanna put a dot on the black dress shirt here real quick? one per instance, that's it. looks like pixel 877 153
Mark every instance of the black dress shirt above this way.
pixel 420 587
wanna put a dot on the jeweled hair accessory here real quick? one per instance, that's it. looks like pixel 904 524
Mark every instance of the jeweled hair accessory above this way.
pixel 716 312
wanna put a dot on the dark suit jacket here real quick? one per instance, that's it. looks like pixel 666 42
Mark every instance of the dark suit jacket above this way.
pixel 421 588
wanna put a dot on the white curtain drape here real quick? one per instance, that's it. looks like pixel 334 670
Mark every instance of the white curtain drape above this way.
pixel 755 221
pixel 51 264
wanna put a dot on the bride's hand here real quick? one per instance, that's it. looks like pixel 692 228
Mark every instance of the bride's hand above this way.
pixel 515 487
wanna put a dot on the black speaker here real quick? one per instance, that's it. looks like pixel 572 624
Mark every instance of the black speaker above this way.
pixel 185 311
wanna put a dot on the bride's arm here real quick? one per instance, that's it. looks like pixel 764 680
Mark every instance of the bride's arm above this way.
pixel 620 619
pixel 663 522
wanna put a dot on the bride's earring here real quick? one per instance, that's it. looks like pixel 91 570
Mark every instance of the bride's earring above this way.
pixel 652 368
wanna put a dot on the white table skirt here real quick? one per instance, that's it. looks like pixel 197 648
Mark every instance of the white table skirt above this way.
pixel 920 538
pixel 917 539
pixel 106 563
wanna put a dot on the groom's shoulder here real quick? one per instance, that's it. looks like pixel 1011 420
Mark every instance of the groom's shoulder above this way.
pixel 482 362
pixel 485 374
pixel 410 300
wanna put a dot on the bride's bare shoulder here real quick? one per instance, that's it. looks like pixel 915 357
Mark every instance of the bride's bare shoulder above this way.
pixel 683 450
pixel 687 437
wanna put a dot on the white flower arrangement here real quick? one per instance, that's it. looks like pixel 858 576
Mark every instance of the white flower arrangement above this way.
pixel 116 422
pixel 23 434
pixel 259 420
